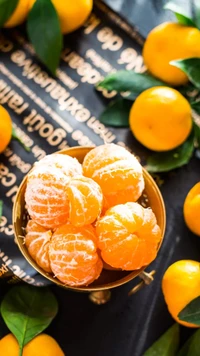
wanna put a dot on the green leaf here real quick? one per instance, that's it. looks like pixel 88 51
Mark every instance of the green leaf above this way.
pixel 128 80
pixel 16 137
pixel 191 313
pixel 7 7
pixel 44 32
pixel 197 13
pixel 27 311
pixel 192 346
pixel 182 16
pixel 167 345
pixel 191 67
pixel 1 209
pixel 166 161
pixel 197 133
pixel 117 113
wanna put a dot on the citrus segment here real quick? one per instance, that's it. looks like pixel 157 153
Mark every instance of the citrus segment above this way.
pixel 86 200
pixel 69 166
pixel 37 242
pixel 73 255
pixel 45 196
pixel 117 171
pixel 128 236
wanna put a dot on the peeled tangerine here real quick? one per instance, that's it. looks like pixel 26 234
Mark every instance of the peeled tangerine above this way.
pixel 86 201
pixel 73 255
pixel 46 196
pixel 37 242
pixel 128 236
pixel 117 171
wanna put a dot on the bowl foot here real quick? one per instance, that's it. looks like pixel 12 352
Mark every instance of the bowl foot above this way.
pixel 100 297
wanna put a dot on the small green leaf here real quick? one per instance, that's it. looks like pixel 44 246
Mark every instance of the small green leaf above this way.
pixel 117 113
pixel 27 311
pixel 191 313
pixel 192 346
pixel 167 345
pixel 166 161
pixel 45 33
pixel 1 209
pixel 182 16
pixel 128 80
pixel 191 67
pixel 7 7
pixel 197 13
pixel 197 133
pixel 16 137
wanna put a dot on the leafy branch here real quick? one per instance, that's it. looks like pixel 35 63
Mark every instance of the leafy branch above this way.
pixel 27 311
pixel 43 27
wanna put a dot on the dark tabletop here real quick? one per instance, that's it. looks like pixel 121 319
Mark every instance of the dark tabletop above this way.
pixel 145 14
pixel 131 325
pixel 126 326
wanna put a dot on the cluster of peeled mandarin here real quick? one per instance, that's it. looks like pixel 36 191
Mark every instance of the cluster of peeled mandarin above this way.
pixel 83 216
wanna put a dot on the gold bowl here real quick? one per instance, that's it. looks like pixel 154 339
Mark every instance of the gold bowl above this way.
pixel 110 278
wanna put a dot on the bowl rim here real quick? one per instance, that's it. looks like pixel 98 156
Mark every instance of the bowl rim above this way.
pixel 54 280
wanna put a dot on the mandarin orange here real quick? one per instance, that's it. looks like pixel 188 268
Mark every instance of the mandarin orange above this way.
pixel 117 171
pixel 41 345
pixel 37 242
pixel 86 200
pixel 191 209
pixel 69 165
pixel 181 285
pixel 73 255
pixel 45 196
pixel 128 236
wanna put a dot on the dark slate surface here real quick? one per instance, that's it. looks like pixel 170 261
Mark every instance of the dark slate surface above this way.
pixel 128 325
pixel 145 14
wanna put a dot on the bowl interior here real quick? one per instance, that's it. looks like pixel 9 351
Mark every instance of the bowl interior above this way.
pixel 109 278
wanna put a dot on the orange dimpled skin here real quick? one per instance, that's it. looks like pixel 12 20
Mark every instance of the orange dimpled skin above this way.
pixel 45 195
pixel 191 209
pixel 73 255
pixel 37 242
pixel 117 171
pixel 128 236
pixel 86 200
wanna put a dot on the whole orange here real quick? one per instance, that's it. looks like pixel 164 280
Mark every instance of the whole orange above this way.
pixel 180 285
pixel 191 209
pixel 19 15
pixel 72 14
pixel 160 118
pixel 167 42
pixel 5 128
pixel 42 344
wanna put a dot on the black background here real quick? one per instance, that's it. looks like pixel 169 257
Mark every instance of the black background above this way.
pixel 128 325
